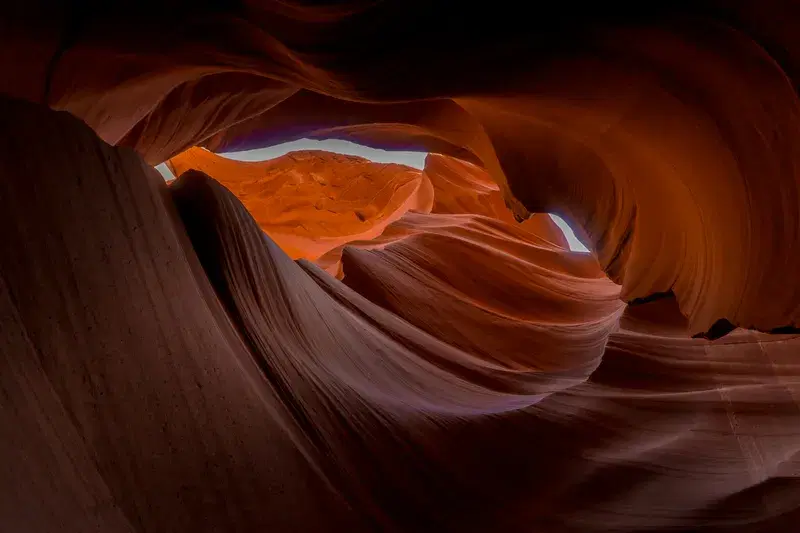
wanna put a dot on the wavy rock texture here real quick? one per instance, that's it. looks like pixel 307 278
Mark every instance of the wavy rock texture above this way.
pixel 166 366
pixel 311 202
pixel 668 133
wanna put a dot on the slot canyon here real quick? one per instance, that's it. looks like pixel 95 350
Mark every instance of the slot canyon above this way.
pixel 200 334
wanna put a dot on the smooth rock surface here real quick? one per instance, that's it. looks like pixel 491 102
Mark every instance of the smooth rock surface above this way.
pixel 166 366
pixel 667 131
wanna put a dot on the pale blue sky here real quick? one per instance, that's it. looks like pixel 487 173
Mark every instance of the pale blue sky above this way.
pixel 412 159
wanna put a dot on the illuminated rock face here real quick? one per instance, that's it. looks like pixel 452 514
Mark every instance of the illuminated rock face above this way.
pixel 667 133
pixel 167 366
pixel 312 202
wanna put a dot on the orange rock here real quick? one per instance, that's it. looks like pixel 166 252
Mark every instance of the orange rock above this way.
pixel 668 133
pixel 458 188
pixel 461 187
pixel 493 290
pixel 166 366
pixel 311 202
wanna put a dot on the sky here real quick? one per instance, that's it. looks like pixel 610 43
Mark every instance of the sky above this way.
pixel 411 159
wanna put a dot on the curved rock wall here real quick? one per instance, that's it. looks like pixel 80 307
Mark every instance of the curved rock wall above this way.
pixel 167 366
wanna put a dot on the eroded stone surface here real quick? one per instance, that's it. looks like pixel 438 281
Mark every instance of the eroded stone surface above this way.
pixel 167 367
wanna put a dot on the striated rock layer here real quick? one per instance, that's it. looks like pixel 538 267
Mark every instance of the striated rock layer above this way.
pixel 468 375
pixel 168 366
pixel 311 202
pixel 667 131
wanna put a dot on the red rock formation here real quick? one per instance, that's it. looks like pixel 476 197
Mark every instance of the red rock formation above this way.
pixel 458 188
pixel 492 290
pixel 312 202
pixel 669 134
pixel 165 366
pixel 461 187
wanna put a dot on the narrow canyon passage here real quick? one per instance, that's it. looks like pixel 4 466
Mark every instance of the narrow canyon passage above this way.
pixel 292 267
